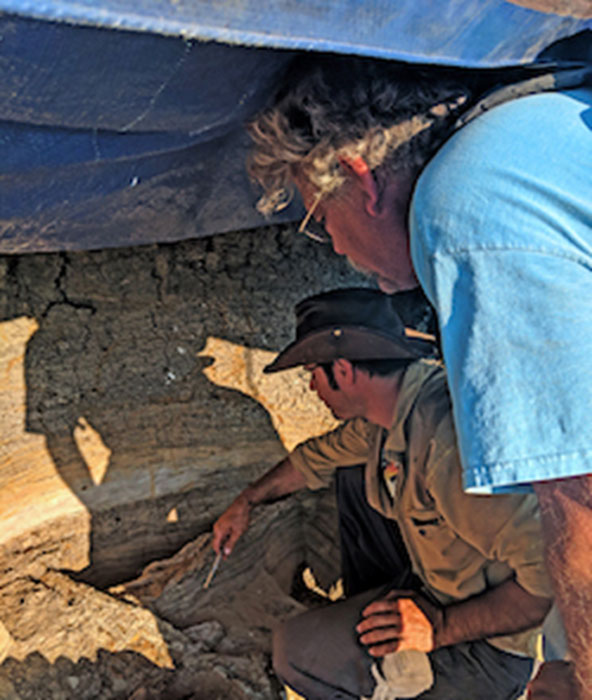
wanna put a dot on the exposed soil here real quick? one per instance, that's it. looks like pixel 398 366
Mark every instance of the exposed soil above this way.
pixel 116 353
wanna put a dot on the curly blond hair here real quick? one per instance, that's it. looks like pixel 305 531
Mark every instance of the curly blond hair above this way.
pixel 392 116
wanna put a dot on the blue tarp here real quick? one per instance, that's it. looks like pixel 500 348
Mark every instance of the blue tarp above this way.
pixel 123 122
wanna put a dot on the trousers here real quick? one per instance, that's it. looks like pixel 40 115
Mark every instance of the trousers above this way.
pixel 317 653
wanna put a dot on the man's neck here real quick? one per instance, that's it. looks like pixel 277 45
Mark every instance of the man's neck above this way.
pixel 382 396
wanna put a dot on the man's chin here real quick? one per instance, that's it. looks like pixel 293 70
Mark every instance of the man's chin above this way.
pixel 373 276
pixel 386 285
pixel 390 287
pixel 360 268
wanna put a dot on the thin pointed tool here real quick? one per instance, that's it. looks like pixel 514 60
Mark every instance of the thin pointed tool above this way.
pixel 213 570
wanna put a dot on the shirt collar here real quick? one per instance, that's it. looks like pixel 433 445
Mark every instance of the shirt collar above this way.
pixel 415 376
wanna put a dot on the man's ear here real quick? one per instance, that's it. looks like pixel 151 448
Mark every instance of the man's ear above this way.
pixel 344 372
pixel 360 173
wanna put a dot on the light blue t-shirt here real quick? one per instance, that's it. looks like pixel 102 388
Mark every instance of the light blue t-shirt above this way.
pixel 501 240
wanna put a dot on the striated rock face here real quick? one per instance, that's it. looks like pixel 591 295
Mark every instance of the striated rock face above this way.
pixel 132 410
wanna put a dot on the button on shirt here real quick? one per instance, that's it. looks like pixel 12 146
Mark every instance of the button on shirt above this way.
pixel 459 544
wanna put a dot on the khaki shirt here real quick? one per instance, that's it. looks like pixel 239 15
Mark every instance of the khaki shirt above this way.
pixel 459 544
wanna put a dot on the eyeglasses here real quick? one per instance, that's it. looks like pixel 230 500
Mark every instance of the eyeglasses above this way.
pixel 312 228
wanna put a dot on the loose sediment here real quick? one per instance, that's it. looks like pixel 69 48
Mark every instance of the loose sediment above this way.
pixel 132 410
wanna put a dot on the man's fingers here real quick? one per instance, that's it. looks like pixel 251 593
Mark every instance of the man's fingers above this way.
pixel 216 540
pixel 390 625
pixel 379 621
pixel 229 542
pixel 224 539
pixel 379 607
pixel 390 602
pixel 384 649
pixel 381 634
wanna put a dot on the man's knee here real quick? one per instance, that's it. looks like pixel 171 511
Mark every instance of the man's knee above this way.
pixel 287 643
pixel 280 652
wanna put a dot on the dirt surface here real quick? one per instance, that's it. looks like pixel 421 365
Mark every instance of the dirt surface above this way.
pixel 122 428
pixel 166 638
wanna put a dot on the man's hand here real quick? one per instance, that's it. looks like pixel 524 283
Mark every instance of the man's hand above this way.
pixel 401 620
pixel 233 523
pixel 554 681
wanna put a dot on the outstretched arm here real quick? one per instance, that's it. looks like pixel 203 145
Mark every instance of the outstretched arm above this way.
pixel 282 480
pixel 566 507
pixel 400 621
pixel 316 459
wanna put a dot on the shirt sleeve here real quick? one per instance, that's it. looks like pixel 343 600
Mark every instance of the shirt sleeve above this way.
pixel 502 245
pixel 503 528
pixel 318 457
pixel 518 347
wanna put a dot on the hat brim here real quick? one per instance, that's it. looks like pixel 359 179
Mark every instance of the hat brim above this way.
pixel 350 343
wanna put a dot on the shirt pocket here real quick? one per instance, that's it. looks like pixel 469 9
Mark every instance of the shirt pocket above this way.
pixel 442 553
pixel 431 529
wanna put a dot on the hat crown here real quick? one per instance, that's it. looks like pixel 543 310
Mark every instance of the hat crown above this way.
pixel 365 309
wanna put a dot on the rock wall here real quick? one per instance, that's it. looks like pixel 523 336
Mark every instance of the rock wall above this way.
pixel 133 409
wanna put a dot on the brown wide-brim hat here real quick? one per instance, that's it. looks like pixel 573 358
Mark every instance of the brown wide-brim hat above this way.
pixel 355 324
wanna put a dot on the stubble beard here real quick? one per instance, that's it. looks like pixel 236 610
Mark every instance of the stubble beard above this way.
pixel 386 285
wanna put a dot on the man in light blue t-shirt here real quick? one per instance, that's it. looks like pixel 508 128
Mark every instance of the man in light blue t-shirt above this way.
pixel 494 220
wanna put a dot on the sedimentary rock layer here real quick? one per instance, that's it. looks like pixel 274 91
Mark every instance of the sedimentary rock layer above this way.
pixel 132 410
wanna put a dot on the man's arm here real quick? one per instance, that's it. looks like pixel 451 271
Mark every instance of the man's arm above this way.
pixel 566 507
pixel 505 609
pixel 400 621
pixel 502 528
pixel 281 480
pixel 310 464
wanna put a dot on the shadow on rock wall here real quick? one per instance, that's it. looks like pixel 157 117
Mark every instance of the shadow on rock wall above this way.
pixel 114 382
